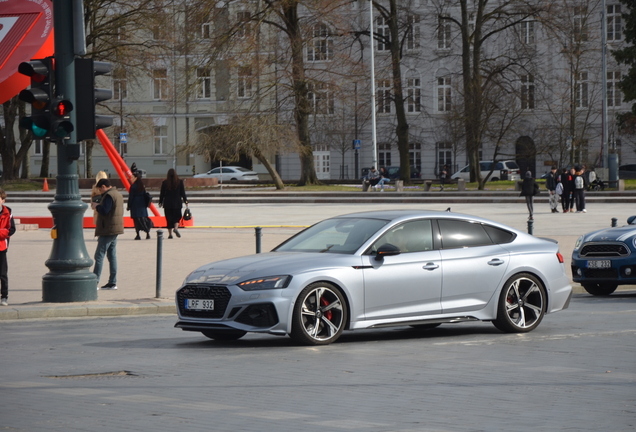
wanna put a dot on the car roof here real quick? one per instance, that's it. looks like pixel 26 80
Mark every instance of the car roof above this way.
pixel 403 215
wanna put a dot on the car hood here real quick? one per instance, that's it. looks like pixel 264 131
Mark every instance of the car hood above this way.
pixel 611 234
pixel 235 270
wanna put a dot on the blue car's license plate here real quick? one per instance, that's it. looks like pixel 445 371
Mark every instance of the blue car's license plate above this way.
pixel 599 264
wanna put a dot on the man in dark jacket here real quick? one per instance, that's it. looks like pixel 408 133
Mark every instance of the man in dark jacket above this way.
pixel 110 223
pixel 529 188
pixel 551 184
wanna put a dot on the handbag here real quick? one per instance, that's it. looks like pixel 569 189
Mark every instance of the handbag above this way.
pixel 187 214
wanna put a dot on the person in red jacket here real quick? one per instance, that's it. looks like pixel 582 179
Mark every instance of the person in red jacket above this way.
pixel 7 228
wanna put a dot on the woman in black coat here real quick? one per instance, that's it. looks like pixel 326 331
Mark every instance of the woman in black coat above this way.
pixel 529 188
pixel 138 202
pixel 172 193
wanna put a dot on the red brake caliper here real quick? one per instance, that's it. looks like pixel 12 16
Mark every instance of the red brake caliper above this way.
pixel 324 302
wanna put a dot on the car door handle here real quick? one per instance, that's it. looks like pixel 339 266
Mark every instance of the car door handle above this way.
pixel 495 262
pixel 430 266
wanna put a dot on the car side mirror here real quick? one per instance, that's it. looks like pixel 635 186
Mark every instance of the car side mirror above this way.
pixel 387 249
pixel 631 219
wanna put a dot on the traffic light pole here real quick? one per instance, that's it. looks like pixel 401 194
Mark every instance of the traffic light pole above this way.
pixel 69 278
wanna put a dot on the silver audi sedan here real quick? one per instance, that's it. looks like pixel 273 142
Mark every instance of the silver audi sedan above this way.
pixel 379 269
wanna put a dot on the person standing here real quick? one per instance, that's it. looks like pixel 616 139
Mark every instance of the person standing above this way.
pixel 551 184
pixel 579 190
pixel 7 228
pixel 170 198
pixel 138 202
pixel 110 223
pixel 442 176
pixel 529 188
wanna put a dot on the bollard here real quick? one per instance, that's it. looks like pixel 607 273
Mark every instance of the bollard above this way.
pixel 614 222
pixel 159 259
pixel 530 227
pixel 257 233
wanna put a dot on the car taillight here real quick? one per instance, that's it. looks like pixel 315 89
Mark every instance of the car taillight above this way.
pixel 560 257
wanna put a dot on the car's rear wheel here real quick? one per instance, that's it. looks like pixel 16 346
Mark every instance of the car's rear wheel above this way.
pixel 224 335
pixel 600 289
pixel 320 315
pixel 522 304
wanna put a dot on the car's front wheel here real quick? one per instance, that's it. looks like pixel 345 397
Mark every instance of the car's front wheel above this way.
pixel 224 335
pixel 522 304
pixel 600 289
pixel 320 315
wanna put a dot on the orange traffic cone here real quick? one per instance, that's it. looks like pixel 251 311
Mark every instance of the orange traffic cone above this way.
pixel 45 188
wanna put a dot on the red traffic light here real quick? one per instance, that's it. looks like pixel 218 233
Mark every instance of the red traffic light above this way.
pixel 62 108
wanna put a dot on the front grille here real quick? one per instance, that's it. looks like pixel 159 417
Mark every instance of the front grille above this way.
pixel 610 273
pixel 220 294
pixel 605 250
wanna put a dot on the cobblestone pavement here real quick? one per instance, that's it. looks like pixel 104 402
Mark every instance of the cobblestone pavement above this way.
pixel 576 372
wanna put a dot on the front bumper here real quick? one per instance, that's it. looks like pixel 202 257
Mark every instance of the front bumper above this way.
pixel 622 272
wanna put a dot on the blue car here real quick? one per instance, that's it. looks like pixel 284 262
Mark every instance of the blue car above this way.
pixel 602 260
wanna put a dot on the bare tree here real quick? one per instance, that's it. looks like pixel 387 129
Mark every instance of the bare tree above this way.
pixel 12 154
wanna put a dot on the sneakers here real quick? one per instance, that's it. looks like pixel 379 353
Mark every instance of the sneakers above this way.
pixel 584 211
pixel 4 302
pixel 109 286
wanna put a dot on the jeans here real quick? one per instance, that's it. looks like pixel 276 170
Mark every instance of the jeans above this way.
pixel 382 181
pixel 106 245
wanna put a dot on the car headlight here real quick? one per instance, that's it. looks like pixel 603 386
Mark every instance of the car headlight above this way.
pixel 578 243
pixel 265 283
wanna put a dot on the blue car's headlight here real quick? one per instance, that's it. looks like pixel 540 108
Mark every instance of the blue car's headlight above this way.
pixel 265 283
pixel 578 243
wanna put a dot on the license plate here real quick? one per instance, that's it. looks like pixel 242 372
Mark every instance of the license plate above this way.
pixel 599 264
pixel 198 304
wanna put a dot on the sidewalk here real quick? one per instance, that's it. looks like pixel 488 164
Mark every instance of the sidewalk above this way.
pixel 225 231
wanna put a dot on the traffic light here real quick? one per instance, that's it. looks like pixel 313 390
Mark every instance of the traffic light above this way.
pixel 87 96
pixel 60 113
pixel 38 96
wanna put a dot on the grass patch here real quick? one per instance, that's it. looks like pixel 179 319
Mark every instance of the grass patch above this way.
pixel 21 185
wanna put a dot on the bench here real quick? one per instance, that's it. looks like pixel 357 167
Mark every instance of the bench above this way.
pixel 461 184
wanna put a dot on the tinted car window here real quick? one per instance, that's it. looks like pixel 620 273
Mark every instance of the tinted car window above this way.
pixel 461 234
pixel 499 235
pixel 485 166
pixel 416 236
pixel 215 171
pixel 512 165
pixel 499 166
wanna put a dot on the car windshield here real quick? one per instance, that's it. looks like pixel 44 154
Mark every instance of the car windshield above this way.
pixel 339 235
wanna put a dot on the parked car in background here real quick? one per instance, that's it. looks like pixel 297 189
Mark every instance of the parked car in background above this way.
pixel 604 259
pixel 379 269
pixel 627 171
pixel 504 170
pixel 229 173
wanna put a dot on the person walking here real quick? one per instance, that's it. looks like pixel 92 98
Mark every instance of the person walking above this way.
pixel 110 223
pixel 529 188
pixel 7 229
pixel 170 198
pixel 442 177
pixel 138 202
pixel 551 184
pixel 579 190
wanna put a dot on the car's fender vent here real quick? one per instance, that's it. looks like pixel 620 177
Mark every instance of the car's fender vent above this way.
pixel 220 294
pixel 605 250
pixel 610 273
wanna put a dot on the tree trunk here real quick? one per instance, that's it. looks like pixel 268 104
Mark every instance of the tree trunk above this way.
pixel 270 169
pixel 46 151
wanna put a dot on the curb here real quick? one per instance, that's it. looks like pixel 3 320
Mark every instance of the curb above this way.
pixel 71 310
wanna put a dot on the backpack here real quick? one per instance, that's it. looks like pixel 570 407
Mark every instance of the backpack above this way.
pixel 578 183
pixel 559 188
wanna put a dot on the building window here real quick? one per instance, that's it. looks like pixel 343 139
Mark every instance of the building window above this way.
pixel 161 139
pixel 159 84
pixel 614 95
pixel 443 94
pixel 204 83
pixel 581 90
pixel 413 95
pixel 443 33
pixel 204 30
pixel 321 98
pixel 415 156
pixel 38 145
pixel 120 85
pixel 244 19
pixel 382 29
pixel 320 47
pixel 580 23
pixel 384 96
pixel 384 155
pixel 527 32
pixel 244 82
pixel 614 23
pixel 413 35
pixel 444 156
pixel 527 92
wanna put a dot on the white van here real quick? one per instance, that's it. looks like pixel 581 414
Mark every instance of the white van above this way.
pixel 509 167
